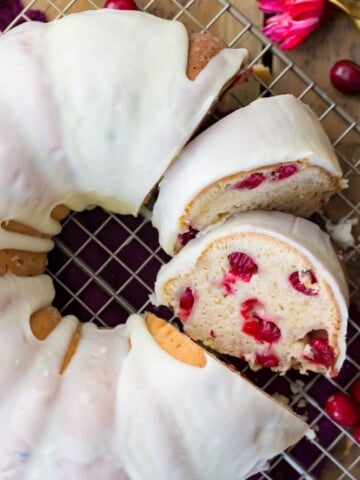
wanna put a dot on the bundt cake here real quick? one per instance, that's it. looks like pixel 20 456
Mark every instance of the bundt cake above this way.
pixel 138 402
pixel 270 155
pixel 266 287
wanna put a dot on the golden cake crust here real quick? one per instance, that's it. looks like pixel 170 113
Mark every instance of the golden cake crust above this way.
pixel 43 322
pixel 202 48
pixel 175 343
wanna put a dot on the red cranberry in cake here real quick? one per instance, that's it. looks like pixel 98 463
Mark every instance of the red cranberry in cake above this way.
pixel 342 409
pixel 251 307
pixel 184 238
pixel 267 360
pixel 285 171
pixel 250 182
pixel 320 352
pixel 304 282
pixel 261 329
pixel 186 303
pixel 228 282
pixel 242 266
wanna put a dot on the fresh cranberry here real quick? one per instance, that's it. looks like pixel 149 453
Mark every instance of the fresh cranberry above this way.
pixel 186 303
pixel 121 4
pixel 345 76
pixel 321 352
pixel 267 360
pixel 242 266
pixel 185 237
pixel 342 409
pixel 355 390
pixel 301 282
pixel 356 434
pixel 285 171
pixel 261 329
pixel 251 182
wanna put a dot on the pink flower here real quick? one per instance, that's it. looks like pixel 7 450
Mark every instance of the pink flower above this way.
pixel 294 20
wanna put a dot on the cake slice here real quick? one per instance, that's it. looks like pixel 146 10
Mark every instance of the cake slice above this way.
pixel 266 287
pixel 270 155
pixel 185 415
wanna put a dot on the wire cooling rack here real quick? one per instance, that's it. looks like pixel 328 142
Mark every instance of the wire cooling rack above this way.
pixel 105 265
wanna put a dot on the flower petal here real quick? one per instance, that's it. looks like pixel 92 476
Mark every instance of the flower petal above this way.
pixel 272 6
pixel 298 32
pixel 303 9
pixel 288 32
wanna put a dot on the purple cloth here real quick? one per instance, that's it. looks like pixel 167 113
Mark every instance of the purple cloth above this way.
pixel 10 9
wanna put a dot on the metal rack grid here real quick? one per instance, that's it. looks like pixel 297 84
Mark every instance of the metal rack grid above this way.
pixel 105 265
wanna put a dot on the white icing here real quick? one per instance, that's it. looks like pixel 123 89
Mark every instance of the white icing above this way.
pixel 268 131
pixel 121 413
pixel 302 234
pixel 81 433
pixel 108 106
